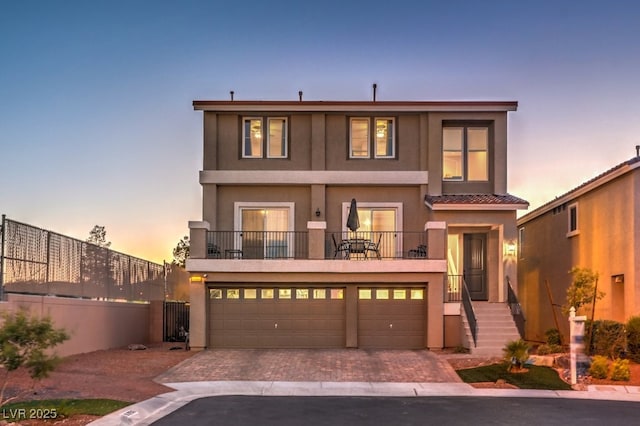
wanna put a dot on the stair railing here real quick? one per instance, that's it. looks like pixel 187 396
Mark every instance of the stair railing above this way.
pixel 516 309
pixel 468 310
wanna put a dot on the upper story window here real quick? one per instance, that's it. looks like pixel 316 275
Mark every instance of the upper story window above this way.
pixel 465 153
pixel 360 138
pixel 253 137
pixel 521 243
pixel 572 220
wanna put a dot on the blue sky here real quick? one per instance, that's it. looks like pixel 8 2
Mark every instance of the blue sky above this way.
pixel 97 127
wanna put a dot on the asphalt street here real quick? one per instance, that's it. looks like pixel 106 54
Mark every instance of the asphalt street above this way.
pixel 385 411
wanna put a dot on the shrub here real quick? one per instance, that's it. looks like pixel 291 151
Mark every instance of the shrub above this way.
pixel 633 338
pixel 607 338
pixel 553 336
pixel 460 350
pixel 516 352
pixel 620 370
pixel 549 349
pixel 25 341
pixel 599 367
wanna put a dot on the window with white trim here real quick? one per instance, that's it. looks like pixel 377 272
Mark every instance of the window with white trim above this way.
pixel 277 139
pixel 385 138
pixel 572 220
pixel 264 230
pixel 361 139
pixel 254 140
pixel 465 153
pixel 378 222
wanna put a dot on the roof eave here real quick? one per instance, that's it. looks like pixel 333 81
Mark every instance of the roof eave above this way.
pixel 364 106
pixel 471 206
pixel 579 191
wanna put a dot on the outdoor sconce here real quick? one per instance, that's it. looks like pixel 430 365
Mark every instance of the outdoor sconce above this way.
pixel 510 248
pixel 318 212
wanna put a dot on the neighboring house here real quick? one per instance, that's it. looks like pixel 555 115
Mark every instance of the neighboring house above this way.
pixel 595 226
pixel 274 262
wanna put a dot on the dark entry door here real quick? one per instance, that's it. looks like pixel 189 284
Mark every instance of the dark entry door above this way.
pixel 475 265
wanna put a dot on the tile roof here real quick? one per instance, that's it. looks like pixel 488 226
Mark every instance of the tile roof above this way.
pixel 474 199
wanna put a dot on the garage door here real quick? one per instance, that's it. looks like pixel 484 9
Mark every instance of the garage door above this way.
pixel 392 318
pixel 276 317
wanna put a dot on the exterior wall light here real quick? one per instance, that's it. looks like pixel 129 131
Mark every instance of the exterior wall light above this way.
pixel 318 212
pixel 510 249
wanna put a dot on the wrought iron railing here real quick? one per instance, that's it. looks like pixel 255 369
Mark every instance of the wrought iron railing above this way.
pixel 294 245
pixel 257 245
pixel 516 309
pixel 363 245
pixel 453 289
pixel 468 310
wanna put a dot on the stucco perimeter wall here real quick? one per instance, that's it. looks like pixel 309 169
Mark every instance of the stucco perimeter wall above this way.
pixel 92 325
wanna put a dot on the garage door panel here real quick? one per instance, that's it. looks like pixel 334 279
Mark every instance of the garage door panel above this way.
pixel 391 323
pixel 301 323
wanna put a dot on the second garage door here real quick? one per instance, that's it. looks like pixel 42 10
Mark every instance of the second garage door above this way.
pixel 392 318
pixel 276 317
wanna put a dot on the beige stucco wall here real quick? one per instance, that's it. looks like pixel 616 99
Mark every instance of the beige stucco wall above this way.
pixel 606 243
pixel 92 325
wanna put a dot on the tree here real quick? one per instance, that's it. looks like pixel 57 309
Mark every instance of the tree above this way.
pixel 24 341
pixel 583 289
pixel 98 236
pixel 181 252
pixel 96 268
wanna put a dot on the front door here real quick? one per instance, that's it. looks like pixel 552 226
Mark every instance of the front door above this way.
pixel 475 265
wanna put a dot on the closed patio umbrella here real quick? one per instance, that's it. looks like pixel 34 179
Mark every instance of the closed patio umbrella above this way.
pixel 353 222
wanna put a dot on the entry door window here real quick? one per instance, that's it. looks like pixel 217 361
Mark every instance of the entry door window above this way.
pixel 265 231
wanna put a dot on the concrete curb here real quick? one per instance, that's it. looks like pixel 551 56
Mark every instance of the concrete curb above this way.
pixel 149 411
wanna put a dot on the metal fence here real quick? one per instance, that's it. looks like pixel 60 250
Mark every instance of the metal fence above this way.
pixel 176 321
pixel 36 261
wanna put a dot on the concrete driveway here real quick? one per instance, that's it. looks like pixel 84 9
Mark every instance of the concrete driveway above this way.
pixel 313 365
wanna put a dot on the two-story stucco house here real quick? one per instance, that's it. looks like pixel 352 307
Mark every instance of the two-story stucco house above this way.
pixel 593 226
pixel 277 261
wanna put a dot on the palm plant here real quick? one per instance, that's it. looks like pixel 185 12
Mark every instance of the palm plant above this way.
pixel 516 353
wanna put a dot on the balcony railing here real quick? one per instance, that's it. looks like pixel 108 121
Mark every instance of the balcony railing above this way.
pixel 453 289
pixel 257 245
pixel 365 245
pixel 373 245
pixel 516 309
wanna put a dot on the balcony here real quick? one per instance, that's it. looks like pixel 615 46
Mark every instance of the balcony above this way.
pixel 361 246
pixel 313 252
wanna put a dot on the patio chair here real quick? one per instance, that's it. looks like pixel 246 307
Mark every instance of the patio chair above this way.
pixel 213 251
pixel 343 248
pixel 420 251
pixel 373 247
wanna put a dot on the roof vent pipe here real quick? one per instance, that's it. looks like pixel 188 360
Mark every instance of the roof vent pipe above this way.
pixel 375 87
pixel 300 95
pixel 231 93
pixel 637 150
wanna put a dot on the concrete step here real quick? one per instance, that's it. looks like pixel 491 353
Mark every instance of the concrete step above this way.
pixel 495 329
